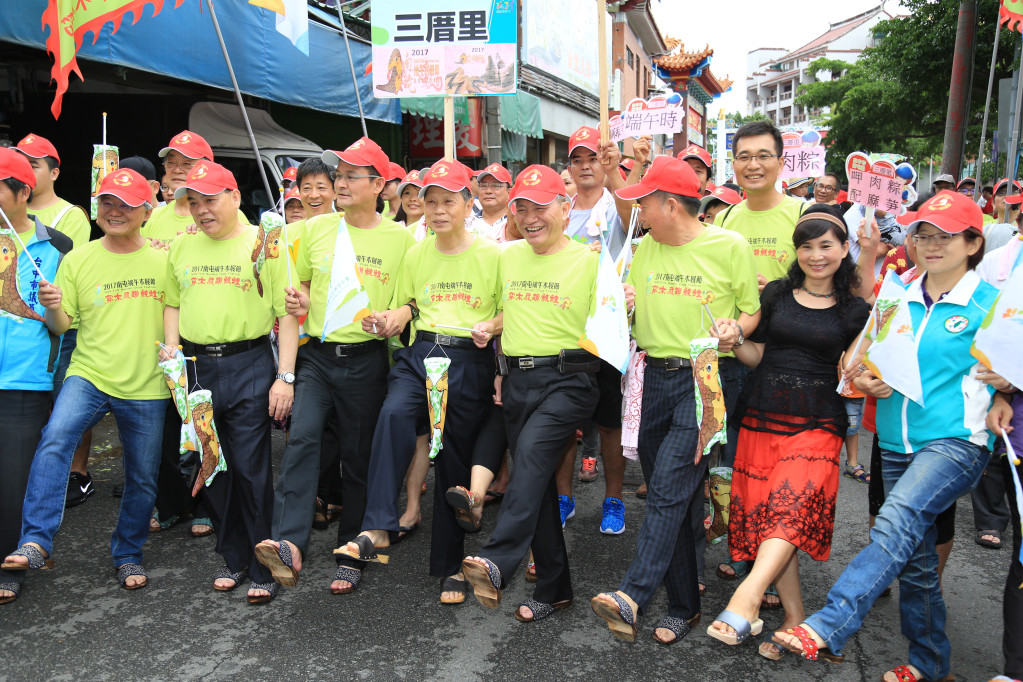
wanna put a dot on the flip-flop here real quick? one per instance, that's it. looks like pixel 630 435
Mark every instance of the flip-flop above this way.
pixel 743 628
pixel 990 544
pixel 450 584
pixel 613 608
pixel 540 609
pixel 485 579
pixel 367 551
pixel 278 561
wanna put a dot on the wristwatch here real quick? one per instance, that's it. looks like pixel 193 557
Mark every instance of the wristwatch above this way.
pixel 287 377
pixel 415 310
pixel 742 337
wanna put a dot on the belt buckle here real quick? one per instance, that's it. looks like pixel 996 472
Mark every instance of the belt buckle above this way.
pixel 215 351
pixel 339 351
pixel 443 340
pixel 526 363
pixel 672 364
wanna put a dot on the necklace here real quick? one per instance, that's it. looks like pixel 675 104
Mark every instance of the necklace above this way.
pixel 827 295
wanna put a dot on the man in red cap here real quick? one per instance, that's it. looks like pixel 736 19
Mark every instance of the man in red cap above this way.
pixel 26 367
pixel 715 264
pixel 342 369
pixel 395 174
pixel 494 183
pixel 548 290
pixel 699 160
pixel 447 286
pixel 289 177
pixel 115 288
pixel 721 198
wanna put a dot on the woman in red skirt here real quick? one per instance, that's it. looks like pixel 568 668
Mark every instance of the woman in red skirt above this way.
pixel 785 477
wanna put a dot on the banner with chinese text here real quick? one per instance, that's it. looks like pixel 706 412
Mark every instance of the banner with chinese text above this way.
pixel 803 155
pixel 657 116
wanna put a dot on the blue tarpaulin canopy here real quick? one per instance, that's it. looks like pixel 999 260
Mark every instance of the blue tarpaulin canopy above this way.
pixel 182 43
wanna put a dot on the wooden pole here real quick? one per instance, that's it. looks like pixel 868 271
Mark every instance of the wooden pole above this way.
pixel 449 128
pixel 605 134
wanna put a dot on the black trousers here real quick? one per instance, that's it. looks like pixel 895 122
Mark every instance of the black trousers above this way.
pixel 352 388
pixel 990 511
pixel 240 500
pixel 22 418
pixel 470 381
pixel 173 488
pixel 542 410
pixel 492 440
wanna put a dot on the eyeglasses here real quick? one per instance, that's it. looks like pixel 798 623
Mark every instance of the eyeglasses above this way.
pixel 939 239
pixel 349 178
pixel 183 165
pixel 826 188
pixel 108 205
pixel 491 186
pixel 763 157
pixel 967 192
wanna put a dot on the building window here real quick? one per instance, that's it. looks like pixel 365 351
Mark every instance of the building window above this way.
pixel 628 57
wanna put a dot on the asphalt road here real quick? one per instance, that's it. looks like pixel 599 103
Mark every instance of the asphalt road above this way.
pixel 75 622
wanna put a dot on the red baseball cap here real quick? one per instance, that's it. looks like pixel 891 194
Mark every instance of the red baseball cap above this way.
pixel 950 212
pixel 291 173
pixel 362 152
pixel 14 165
pixel 207 178
pixel 725 194
pixel 189 144
pixel 627 164
pixel 127 185
pixel 695 151
pixel 842 197
pixel 37 147
pixel 449 175
pixel 538 184
pixel 496 171
pixel 584 137
pixel 397 172
pixel 1015 185
pixel 412 179
pixel 1013 199
pixel 665 174
pixel 907 218
pixel 965 180
pixel 292 193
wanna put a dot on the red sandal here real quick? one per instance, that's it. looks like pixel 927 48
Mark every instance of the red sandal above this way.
pixel 809 649
pixel 903 673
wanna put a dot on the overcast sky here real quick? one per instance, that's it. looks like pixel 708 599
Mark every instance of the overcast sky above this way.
pixel 734 27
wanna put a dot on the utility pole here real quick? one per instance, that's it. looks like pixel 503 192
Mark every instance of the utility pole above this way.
pixel 959 90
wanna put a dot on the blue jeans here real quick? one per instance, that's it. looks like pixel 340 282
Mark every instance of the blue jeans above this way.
pixel 919 486
pixel 79 407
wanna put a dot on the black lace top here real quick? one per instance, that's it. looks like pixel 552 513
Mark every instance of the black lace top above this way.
pixel 798 374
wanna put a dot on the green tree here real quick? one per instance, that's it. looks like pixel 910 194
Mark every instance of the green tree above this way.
pixel 895 98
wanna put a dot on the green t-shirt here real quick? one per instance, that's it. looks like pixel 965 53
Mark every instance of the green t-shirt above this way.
pixel 164 224
pixel 74 223
pixel 671 281
pixel 379 252
pixel 769 234
pixel 217 291
pixel 546 299
pixel 460 289
pixel 118 300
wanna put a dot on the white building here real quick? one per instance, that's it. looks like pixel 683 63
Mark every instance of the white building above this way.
pixel 774 74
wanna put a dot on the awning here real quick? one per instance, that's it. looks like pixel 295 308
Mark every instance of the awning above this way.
pixel 433 107
pixel 181 43
pixel 520 113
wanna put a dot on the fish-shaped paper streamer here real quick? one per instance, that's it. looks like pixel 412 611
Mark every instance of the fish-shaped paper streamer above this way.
pixel 268 244
pixel 437 398
pixel 892 357
pixel 347 300
pixel 710 399
pixel 105 160
pixel 720 499
pixel 889 298
pixel 11 300
pixel 997 342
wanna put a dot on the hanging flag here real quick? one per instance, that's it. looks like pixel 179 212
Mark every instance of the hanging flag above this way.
pixel 69 21
pixel 268 244
pixel 997 342
pixel 437 399
pixel 292 20
pixel 892 356
pixel 11 301
pixel 1011 14
pixel 607 330
pixel 710 399
pixel 347 300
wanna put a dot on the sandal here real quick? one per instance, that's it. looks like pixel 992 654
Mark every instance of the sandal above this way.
pixel 10 587
pixel 321 519
pixel 772 649
pixel 739 568
pixel 485 579
pixel 350 575
pixel 702 585
pixel 808 647
pixel 530 574
pixel 226 574
pixel 903 673
pixel 202 521
pixel 278 561
pixel 770 605
pixel 450 584
pixel 161 525
pixel 34 556
pixel 990 544
pixel 125 571
pixel 744 629
pixel 857 472
pixel 367 551
pixel 540 610
pixel 613 608
pixel 463 502
pixel 680 626
pixel 270 587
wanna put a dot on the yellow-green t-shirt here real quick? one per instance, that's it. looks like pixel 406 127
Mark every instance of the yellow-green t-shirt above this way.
pixel 118 300
pixel 670 282
pixel 164 224
pixel 216 287
pixel 769 233
pixel 546 299
pixel 379 251
pixel 295 231
pixel 988 219
pixel 459 290
pixel 74 223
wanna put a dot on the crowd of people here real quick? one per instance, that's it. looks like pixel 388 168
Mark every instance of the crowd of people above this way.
pixel 393 320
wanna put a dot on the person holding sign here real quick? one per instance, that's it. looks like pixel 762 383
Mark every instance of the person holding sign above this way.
pixel 115 287
pixel 450 279
pixel 549 284
pixel 678 267
pixel 793 424
pixel 223 318
pixel 348 267
pixel 929 459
